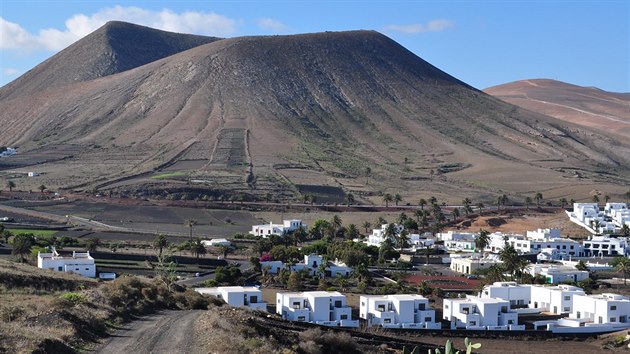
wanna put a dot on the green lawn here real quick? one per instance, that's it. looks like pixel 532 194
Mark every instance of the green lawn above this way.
pixel 33 231
pixel 168 175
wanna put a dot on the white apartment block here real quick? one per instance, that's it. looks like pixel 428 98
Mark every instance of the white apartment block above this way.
pixel 466 265
pixel 603 246
pixel 453 236
pixel 313 265
pixel 461 245
pixel 237 296
pixel 326 308
pixel 287 226
pixel 555 299
pixel 398 311
pixel 591 218
pixel 600 309
pixel 79 263
pixel 480 314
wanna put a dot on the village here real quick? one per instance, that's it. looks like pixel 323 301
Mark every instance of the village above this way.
pixel 539 281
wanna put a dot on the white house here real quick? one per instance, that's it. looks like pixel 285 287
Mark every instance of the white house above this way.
pixel 8 152
pixel 453 236
pixel 33 174
pixel 378 235
pixel 557 273
pixel 468 265
pixel 287 226
pixel 80 263
pixel 398 311
pixel 460 245
pixel 237 296
pixel 603 246
pixel 480 314
pixel 326 308
pixel 313 265
pixel 591 218
pixel 554 299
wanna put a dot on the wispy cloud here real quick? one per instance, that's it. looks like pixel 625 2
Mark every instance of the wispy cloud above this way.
pixel 11 71
pixel 271 24
pixel 416 28
pixel 14 36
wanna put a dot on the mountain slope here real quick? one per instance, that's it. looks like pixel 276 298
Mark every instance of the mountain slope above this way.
pixel 277 113
pixel 113 48
pixel 587 106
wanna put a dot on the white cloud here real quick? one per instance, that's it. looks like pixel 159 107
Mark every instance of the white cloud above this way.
pixel 11 71
pixel 415 28
pixel 13 36
pixel 271 24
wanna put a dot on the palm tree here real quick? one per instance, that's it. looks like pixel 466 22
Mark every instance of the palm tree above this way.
pixel 480 206
pixel 628 194
pixel 336 222
pixel 622 265
pixel 397 198
pixel 455 214
pixel 528 201
pixel 499 203
pixel 423 202
pixel 368 172
pixel 595 198
pixel 10 185
pixel 387 198
pixel 424 221
pixel 352 232
pixel 433 200
pixel 190 223
pixel 418 214
pixel 160 242
pixel 391 233
pixel 625 230
pixel 482 241
pixel 538 197
pixel 197 248
pixel 403 239
pixel 581 265
pixel 22 244
pixel 428 251
pixel 42 188
pixel 606 198
pixel 366 226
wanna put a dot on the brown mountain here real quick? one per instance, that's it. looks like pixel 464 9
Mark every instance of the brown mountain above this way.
pixel 113 48
pixel 288 115
pixel 608 112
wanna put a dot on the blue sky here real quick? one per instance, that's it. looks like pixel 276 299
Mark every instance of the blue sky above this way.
pixel 483 43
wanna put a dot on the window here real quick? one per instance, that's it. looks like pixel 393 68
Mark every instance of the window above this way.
pixel 338 303
pixel 579 314
pixel 296 305
pixel 613 307
pixel 343 317
pixel 427 319
pixel 567 298
pixel 446 307
pixel 87 268
pixel 600 319
pixel 472 323
pixel 504 309
pixel 466 310
pixel 60 269
pixel 362 303
pixel 380 308
pixel 567 309
pixel 387 320
pixel 301 318
pixel 564 247
pixel 421 307
pixel 253 299
pixel 510 322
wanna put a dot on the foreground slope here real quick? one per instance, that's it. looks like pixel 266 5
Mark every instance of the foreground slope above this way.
pixel 608 112
pixel 290 114
pixel 113 48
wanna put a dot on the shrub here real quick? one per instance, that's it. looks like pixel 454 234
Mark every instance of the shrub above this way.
pixel 315 340
pixel 71 299
pixel 11 313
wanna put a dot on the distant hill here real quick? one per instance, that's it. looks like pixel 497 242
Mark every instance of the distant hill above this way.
pixel 283 116
pixel 113 48
pixel 608 112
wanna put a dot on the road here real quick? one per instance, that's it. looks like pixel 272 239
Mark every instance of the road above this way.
pixel 166 332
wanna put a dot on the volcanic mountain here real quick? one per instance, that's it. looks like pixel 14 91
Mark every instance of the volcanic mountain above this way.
pixel 284 116
pixel 608 112
pixel 113 48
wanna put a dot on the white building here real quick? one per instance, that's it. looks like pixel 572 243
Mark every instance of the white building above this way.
pixel 313 265
pixel 555 299
pixel 398 311
pixel 326 308
pixel 215 242
pixel 480 314
pixel 593 314
pixel 460 245
pixel 8 152
pixel 237 296
pixel 453 236
pixel 591 218
pixel 468 265
pixel 378 235
pixel 79 263
pixel 557 273
pixel 287 226
pixel 545 241
pixel 603 246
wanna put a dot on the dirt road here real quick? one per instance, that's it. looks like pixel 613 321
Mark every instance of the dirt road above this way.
pixel 166 332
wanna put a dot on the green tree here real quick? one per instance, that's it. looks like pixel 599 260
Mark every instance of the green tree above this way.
pixel 480 206
pixel 160 242
pixel 387 198
pixel 350 199
pixel 397 198
pixel 366 226
pixel 625 230
pixel 403 239
pixel 581 266
pixel 622 265
pixel 42 188
pixel 422 202
pixel 467 209
pixel 295 282
pixel 336 222
pixel 595 198
pixel 455 214
pixel 433 200
pixel 628 194
pixel 428 251
pixel 22 244
pixel 368 173
pixel 538 197
pixel 606 198
pixel 528 201
pixel 352 232
pixel 563 202
pixel 190 223
pixel 391 233
pixel 10 185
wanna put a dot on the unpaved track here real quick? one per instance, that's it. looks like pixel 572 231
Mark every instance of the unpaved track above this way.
pixel 165 332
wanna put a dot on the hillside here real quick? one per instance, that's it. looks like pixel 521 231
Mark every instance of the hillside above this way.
pixel 608 112
pixel 113 48
pixel 282 116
